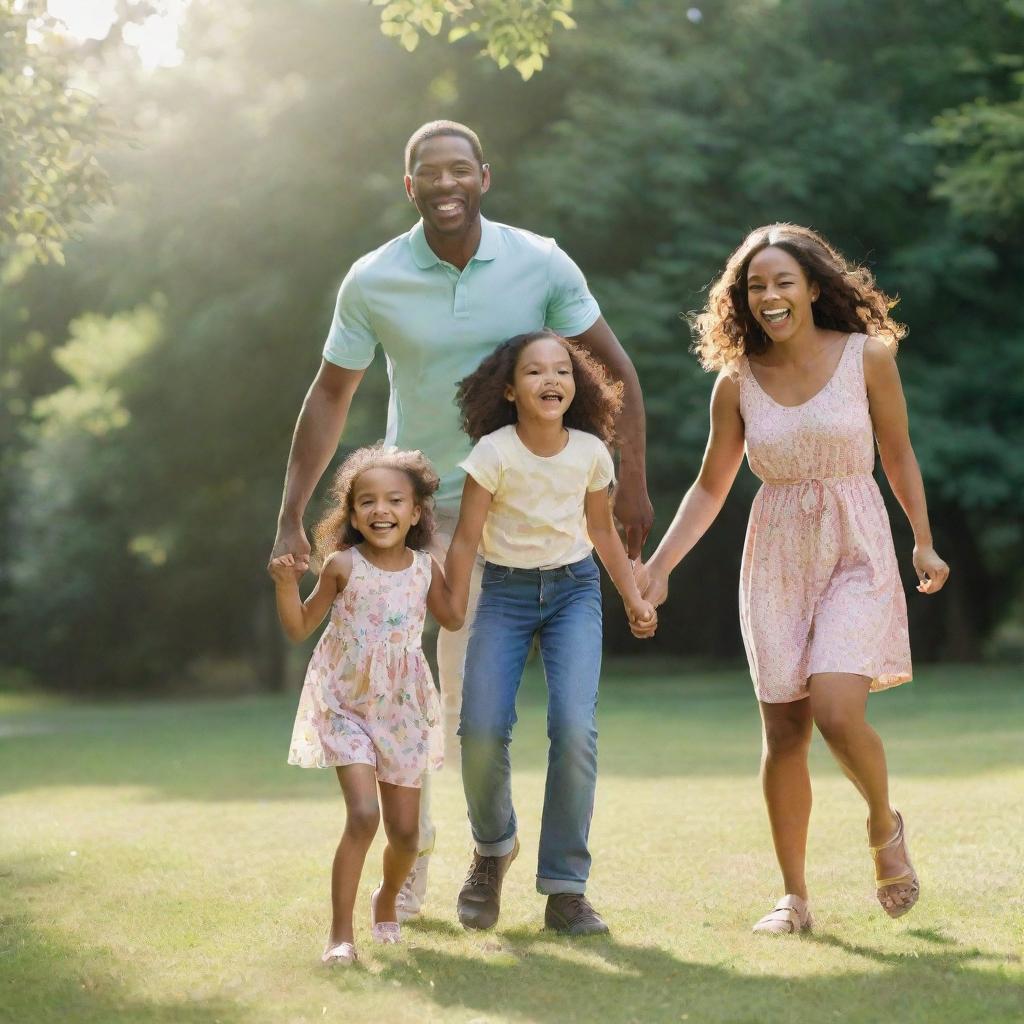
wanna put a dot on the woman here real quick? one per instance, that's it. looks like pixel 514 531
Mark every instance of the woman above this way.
pixel 804 344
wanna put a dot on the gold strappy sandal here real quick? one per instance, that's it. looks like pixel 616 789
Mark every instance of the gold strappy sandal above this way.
pixel 907 881
pixel 791 915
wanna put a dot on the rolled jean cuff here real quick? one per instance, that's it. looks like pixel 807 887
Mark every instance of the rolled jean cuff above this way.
pixel 498 849
pixel 553 886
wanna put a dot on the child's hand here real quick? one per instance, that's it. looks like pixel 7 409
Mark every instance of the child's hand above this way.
pixel 285 570
pixel 640 573
pixel 932 571
pixel 643 619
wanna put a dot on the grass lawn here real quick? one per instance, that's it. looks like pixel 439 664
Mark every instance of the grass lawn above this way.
pixel 160 863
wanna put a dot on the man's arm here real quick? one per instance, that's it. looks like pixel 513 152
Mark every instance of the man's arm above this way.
pixel 317 432
pixel 632 504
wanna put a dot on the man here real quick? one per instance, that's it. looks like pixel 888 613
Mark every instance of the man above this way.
pixel 438 299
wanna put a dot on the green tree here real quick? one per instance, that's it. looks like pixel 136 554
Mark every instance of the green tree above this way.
pixel 50 131
pixel 982 143
pixel 676 136
pixel 271 159
pixel 514 32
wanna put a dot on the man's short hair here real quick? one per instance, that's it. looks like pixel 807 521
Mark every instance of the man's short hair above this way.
pixel 433 129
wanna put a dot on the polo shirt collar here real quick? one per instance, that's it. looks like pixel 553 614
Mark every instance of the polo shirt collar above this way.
pixel 426 258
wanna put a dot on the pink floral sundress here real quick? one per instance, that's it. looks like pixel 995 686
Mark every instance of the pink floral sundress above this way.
pixel 820 588
pixel 368 696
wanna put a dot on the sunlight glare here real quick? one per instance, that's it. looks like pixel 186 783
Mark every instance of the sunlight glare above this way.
pixel 84 19
pixel 155 39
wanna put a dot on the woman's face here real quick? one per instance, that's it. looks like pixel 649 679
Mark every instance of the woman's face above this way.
pixel 779 294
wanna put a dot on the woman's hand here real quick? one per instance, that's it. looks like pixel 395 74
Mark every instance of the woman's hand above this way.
pixel 932 571
pixel 655 586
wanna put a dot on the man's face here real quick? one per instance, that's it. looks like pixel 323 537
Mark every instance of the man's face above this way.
pixel 446 183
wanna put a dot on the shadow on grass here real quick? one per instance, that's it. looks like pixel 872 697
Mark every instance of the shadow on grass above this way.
pixel 549 979
pixel 950 723
pixel 43 982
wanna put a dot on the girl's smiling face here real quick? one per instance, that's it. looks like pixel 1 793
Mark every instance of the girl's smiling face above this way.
pixel 543 385
pixel 383 507
pixel 779 294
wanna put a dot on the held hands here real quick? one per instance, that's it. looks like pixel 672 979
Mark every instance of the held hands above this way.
pixel 291 541
pixel 640 574
pixel 285 570
pixel 932 571
pixel 643 619
pixel 650 582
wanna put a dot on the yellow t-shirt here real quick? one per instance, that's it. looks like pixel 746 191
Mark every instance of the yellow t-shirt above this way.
pixel 536 519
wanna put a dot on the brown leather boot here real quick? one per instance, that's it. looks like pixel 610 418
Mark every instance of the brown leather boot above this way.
pixel 480 897
pixel 571 914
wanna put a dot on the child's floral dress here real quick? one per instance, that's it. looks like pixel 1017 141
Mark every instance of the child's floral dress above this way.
pixel 369 697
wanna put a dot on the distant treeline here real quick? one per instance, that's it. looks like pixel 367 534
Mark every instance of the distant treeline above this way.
pixel 150 386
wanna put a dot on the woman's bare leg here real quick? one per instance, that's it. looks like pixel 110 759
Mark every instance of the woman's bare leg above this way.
pixel 786 781
pixel 838 703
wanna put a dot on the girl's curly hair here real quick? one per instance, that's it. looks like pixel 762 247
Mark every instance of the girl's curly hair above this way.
pixel 850 300
pixel 481 395
pixel 335 530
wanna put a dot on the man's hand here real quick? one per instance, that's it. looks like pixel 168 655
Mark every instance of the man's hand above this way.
pixel 634 511
pixel 291 540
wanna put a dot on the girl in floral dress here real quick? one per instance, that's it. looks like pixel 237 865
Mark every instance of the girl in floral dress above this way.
pixel 369 708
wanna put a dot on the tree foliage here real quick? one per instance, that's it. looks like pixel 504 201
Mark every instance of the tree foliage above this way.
pixel 50 132
pixel 514 32
pixel 143 439
pixel 982 141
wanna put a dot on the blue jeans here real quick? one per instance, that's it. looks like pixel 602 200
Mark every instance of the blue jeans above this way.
pixel 563 606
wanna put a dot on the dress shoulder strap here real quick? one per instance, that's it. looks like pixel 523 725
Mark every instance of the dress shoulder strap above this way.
pixel 853 364
pixel 361 565
pixel 739 370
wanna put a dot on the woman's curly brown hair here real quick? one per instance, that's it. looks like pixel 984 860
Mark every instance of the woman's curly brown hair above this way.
pixel 850 300
pixel 481 395
pixel 335 530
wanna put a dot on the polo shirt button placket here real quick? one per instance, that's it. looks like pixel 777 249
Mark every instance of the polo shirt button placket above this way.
pixel 460 307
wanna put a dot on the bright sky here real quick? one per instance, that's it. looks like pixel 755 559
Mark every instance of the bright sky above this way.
pixel 156 38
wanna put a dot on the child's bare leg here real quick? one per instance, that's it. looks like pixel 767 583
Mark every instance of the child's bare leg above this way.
pixel 401 809
pixel 362 816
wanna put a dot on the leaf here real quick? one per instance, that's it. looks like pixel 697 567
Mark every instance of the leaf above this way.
pixel 432 24
pixel 410 38
pixel 563 19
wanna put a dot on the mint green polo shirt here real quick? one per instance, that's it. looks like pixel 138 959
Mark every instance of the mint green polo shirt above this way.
pixel 435 325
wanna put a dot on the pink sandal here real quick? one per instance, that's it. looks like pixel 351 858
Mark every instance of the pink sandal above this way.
pixel 791 915
pixel 386 932
pixel 907 881
pixel 343 954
